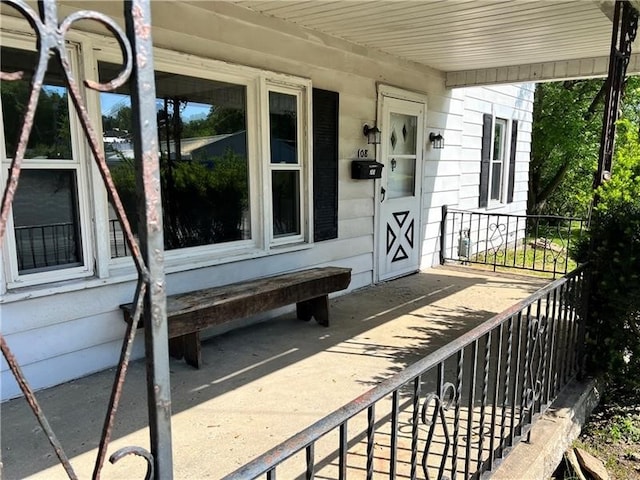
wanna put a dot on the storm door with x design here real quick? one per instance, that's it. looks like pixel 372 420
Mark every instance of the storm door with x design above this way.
pixel 399 235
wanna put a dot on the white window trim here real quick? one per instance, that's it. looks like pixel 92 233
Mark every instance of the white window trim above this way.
pixel 258 83
pixel 203 255
pixel 79 162
pixel 506 114
pixel 93 205
pixel 302 91
pixel 502 161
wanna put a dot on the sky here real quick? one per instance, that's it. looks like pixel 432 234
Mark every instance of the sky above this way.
pixel 110 103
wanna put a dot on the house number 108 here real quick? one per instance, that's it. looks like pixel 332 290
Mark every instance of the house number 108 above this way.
pixel 363 153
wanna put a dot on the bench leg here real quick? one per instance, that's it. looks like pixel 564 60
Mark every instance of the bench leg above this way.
pixel 176 347
pixel 317 308
pixel 304 311
pixel 192 350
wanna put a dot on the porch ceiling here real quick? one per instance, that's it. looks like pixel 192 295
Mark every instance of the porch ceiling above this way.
pixel 473 41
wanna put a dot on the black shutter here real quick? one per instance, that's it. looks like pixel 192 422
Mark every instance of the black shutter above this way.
pixel 512 161
pixel 485 159
pixel 325 164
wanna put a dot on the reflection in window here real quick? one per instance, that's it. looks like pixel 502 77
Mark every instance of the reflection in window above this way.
pixel 203 159
pixel 401 177
pixel 286 207
pixel 45 207
pixel 283 128
pixel 50 136
pixel 45 216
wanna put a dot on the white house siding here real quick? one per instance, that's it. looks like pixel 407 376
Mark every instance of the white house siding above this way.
pixel 510 102
pixel 59 332
pixel 515 102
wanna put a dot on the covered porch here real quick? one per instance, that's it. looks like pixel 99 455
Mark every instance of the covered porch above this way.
pixel 260 385
pixel 265 384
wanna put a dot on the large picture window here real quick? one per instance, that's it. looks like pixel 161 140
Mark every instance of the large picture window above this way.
pixel 202 133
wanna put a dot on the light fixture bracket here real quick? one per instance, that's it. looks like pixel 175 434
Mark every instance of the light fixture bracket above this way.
pixel 437 140
pixel 373 134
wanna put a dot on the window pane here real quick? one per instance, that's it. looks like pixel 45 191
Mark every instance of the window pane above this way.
pixel 498 139
pixel 401 177
pixel 286 202
pixel 496 181
pixel 45 215
pixel 50 136
pixel 283 128
pixel 402 134
pixel 203 159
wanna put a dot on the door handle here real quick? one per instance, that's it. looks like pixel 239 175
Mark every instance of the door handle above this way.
pixel 382 194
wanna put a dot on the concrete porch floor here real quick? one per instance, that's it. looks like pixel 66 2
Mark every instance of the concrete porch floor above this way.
pixel 263 383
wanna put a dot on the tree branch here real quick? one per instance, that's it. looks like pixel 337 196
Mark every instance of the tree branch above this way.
pixel 553 184
pixel 591 111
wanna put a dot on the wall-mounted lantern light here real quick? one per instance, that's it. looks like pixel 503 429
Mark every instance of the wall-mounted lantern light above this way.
pixel 373 134
pixel 437 140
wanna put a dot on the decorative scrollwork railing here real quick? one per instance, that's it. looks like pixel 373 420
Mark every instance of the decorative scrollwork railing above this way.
pixel 442 403
pixel 541 243
pixel 625 29
pixel 136 48
pixel 484 390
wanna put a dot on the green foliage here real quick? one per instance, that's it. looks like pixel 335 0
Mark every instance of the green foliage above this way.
pixel 624 185
pixel 51 135
pixel 124 177
pixel 564 150
pixel 614 256
pixel 624 428
pixel 205 204
pixel 203 201
pixel 567 125
pixel 122 119
pixel 219 120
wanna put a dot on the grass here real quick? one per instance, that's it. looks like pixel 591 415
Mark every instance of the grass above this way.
pixel 542 258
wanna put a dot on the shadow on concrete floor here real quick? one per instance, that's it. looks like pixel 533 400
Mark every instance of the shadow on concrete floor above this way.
pixel 263 383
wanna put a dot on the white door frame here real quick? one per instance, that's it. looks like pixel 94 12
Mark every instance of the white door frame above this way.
pixel 387 91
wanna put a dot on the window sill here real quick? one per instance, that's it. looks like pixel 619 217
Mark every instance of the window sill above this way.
pixel 123 270
pixel 495 206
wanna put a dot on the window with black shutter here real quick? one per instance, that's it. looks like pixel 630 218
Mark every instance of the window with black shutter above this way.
pixel 325 164
pixel 497 175
pixel 485 159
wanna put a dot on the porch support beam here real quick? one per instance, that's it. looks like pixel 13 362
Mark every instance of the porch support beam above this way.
pixel 625 28
pixel 538 72
pixel 143 101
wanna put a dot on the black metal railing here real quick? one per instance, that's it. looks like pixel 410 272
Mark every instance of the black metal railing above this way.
pixel 540 243
pixel 117 240
pixel 42 246
pixel 457 412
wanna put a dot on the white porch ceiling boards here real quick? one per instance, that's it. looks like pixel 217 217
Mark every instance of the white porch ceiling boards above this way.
pixel 473 41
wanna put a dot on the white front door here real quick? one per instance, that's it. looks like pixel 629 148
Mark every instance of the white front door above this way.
pixel 400 196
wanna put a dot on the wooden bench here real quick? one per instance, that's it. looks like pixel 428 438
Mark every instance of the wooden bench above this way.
pixel 189 313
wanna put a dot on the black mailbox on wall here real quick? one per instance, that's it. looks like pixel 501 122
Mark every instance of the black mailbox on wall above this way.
pixel 365 169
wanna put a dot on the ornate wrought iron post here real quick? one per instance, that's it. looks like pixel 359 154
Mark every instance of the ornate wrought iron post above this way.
pixel 138 24
pixel 143 102
pixel 625 27
pixel 137 52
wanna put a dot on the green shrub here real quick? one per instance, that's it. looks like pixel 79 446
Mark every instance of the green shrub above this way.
pixel 613 327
